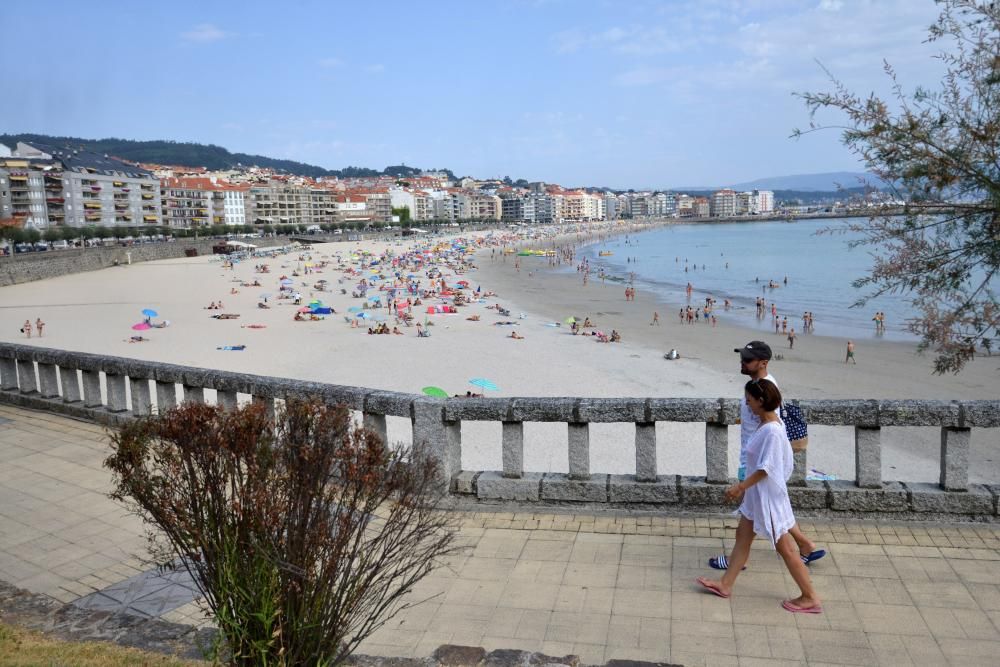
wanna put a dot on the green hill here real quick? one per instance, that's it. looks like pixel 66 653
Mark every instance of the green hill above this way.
pixel 190 154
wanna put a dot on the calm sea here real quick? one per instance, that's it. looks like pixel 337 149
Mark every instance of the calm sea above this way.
pixel 732 257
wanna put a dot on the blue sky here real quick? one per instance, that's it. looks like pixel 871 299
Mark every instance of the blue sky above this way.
pixel 623 94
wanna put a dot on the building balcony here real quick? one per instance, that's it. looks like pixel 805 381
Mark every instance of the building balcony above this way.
pixel 55 200
pixel 150 218
pixel 92 205
pixel 147 196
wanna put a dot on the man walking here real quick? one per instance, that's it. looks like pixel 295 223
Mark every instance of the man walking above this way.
pixel 754 358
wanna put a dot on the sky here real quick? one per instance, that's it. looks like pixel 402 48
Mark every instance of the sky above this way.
pixel 623 94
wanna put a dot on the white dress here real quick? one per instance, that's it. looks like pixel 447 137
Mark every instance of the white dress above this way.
pixel 766 503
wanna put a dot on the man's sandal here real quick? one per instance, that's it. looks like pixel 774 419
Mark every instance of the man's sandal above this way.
pixel 720 562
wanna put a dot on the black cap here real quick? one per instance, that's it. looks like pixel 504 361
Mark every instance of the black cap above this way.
pixel 755 349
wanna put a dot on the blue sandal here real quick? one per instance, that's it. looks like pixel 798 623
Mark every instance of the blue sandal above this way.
pixel 815 555
pixel 720 562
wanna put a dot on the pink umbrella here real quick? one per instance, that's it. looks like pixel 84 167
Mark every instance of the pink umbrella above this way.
pixel 141 326
pixel 304 309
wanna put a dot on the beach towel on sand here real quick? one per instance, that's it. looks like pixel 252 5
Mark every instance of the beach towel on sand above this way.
pixel 232 347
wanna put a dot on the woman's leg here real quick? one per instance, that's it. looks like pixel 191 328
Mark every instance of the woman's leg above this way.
pixel 739 558
pixel 789 552
pixel 741 552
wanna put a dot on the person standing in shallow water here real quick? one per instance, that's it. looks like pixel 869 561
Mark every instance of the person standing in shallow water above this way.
pixel 765 508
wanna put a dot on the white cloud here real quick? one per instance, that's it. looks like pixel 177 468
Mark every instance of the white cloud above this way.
pixel 377 68
pixel 204 33
pixel 331 63
pixel 831 5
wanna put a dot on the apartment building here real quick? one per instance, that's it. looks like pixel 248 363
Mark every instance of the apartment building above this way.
pixel 379 204
pixel 417 201
pixel 282 202
pixel 612 206
pixel 50 186
pixel 662 204
pixel 478 206
pixel 322 206
pixel 765 201
pixel 352 208
pixel 511 207
pixel 685 206
pixel 23 196
pixel 190 202
pixel 234 203
pixel 702 207
pixel 723 203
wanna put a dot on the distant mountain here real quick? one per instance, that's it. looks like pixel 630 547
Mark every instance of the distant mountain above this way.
pixel 826 182
pixel 190 154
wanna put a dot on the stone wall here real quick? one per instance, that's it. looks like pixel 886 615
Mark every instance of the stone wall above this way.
pixel 26 267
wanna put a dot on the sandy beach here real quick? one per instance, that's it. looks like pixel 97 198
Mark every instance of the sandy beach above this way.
pixel 94 312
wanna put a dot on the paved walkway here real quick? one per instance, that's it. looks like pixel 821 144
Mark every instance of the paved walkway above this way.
pixel 602 587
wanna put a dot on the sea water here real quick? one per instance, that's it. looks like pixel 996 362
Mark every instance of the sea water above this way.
pixel 738 260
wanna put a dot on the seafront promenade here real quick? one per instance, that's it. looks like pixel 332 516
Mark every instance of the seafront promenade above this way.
pixel 599 585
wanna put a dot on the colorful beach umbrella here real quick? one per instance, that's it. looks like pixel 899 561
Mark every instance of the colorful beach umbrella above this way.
pixel 149 312
pixel 436 392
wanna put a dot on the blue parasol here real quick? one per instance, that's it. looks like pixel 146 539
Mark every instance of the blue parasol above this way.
pixel 484 384
pixel 149 312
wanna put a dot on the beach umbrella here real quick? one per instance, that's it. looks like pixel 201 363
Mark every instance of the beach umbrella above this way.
pixel 354 309
pixel 484 384
pixel 570 320
pixel 436 392
pixel 141 326
pixel 363 316
pixel 305 309
pixel 287 281
pixel 149 312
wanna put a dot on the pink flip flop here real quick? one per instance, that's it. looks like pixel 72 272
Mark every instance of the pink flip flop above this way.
pixel 795 609
pixel 711 589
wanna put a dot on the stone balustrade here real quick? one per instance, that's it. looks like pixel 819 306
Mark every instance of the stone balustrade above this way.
pixel 113 389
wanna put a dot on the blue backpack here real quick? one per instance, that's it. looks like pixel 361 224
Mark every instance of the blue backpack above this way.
pixel 795 426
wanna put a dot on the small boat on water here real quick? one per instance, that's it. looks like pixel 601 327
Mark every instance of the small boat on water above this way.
pixel 604 253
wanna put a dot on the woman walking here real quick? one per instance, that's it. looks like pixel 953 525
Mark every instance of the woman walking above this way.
pixel 766 509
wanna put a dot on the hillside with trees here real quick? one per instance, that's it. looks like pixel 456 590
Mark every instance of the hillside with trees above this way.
pixel 210 156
